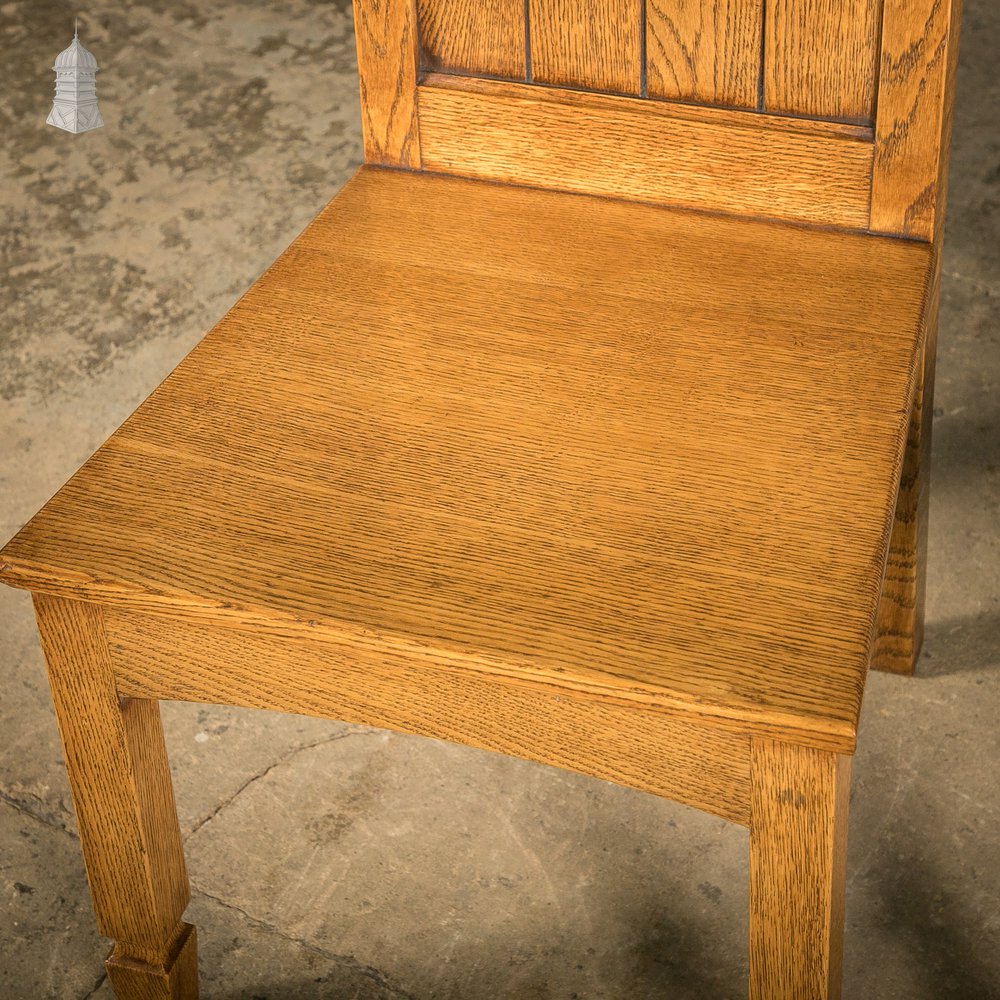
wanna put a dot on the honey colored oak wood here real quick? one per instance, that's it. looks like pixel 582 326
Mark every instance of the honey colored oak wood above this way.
pixel 175 979
pixel 704 158
pixel 798 851
pixel 698 765
pixel 913 127
pixel 386 35
pixel 590 480
pixel 820 57
pixel 608 469
pixel 595 44
pixel 122 792
pixel 909 193
pixel 473 36
pixel 901 613
pixel 704 51
pixel 681 110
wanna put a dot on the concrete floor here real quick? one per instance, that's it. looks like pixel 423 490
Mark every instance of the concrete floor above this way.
pixel 329 861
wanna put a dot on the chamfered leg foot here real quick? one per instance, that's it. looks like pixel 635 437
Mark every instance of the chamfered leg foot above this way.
pixel 118 772
pixel 175 979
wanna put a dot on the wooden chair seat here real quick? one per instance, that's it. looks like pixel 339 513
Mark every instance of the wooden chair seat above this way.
pixel 592 478
pixel 632 454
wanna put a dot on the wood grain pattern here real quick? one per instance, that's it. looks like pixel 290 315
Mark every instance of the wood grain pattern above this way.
pixel 798 852
pixel 174 979
pixel 704 51
pixel 386 35
pixel 684 111
pixel 467 463
pixel 644 150
pixel 610 470
pixel 913 127
pixel 473 36
pixel 820 57
pixel 595 44
pixel 121 787
pixel 694 764
pixel 901 612
pixel 909 196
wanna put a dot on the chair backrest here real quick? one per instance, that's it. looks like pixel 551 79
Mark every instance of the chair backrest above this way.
pixel 832 112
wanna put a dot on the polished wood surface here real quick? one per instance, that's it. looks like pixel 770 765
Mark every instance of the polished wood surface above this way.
pixel 901 613
pixel 820 57
pixel 913 126
pixel 485 37
pixel 612 468
pixel 705 158
pixel 118 772
pixel 386 37
pixel 176 978
pixel 596 44
pixel 534 462
pixel 706 52
pixel 909 194
pixel 701 765
pixel 820 65
pixel 798 855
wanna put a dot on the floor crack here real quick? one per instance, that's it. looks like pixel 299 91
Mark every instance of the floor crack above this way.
pixel 100 982
pixel 284 758
pixel 378 977
pixel 22 807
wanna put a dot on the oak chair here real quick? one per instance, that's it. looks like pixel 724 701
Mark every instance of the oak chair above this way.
pixel 588 423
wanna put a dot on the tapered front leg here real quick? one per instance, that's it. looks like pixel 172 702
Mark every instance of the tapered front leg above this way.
pixel 125 810
pixel 798 847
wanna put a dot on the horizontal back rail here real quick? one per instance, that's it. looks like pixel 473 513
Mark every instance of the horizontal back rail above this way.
pixel 595 144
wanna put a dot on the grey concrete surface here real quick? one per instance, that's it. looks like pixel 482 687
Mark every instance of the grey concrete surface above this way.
pixel 330 861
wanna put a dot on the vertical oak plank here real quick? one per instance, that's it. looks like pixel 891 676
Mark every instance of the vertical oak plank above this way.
pixel 913 124
pixel 798 849
pixel 480 37
pixel 595 44
pixel 385 32
pixel 120 779
pixel 820 58
pixel 704 50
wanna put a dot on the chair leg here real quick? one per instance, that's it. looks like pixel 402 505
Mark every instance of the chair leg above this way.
pixel 900 632
pixel 798 846
pixel 124 800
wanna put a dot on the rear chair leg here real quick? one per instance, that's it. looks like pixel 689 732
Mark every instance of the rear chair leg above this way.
pixel 900 631
pixel 124 800
pixel 798 848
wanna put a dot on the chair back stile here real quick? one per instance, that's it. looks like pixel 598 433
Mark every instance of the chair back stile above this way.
pixel 830 112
